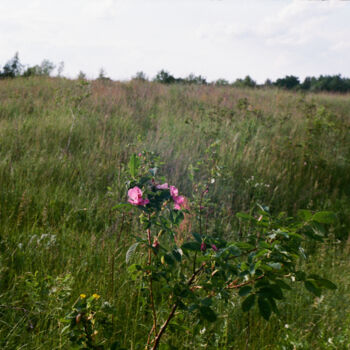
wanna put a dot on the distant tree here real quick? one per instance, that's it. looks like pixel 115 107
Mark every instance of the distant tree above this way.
pixel 12 68
pixel 141 76
pixel 221 82
pixel 164 77
pixel 81 75
pixel 289 82
pixel 193 79
pixel 246 82
pixel 45 69
pixel 60 68
pixel 268 83
pixel 102 76
pixel 306 84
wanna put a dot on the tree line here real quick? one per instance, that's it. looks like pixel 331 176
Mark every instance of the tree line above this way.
pixel 331 83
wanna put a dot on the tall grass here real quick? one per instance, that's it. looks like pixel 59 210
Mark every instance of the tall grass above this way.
pixel 63 143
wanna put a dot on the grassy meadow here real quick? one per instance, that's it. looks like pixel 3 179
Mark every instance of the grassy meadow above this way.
pixel 64 149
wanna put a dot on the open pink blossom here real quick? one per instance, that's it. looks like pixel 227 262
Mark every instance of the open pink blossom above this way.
pixel 179 202
pixel 163 186
pixel 174 192
pixel 135 196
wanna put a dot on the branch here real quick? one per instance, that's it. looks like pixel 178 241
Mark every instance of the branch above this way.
pixel 173 309
pixel 232 285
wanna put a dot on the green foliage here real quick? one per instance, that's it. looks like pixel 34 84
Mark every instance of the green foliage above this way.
pixel 196 275
pixel 285 150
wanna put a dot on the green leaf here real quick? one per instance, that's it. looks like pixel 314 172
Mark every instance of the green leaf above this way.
pixel 208 313
pixel 264 308
pixel 325 217
pixel 235 251
pixel 276 266
pixel 327 284
pixel 134 164
pixel 197 237
pixel 245 291
pixel 283 285
pixel 244 245
pixel 120 206
pixel 244 216
pixel 311 286
pixel 179 216
pixel 248 303
pixel 168 259
pixel 323 282
pixel 194 246
pixel 131 252
pixel 304 214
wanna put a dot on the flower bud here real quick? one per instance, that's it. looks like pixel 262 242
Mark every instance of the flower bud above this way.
pixel 203 247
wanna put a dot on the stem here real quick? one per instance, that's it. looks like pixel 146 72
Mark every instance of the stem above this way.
pixel 150 280
pixel 173 309
pixel 235 286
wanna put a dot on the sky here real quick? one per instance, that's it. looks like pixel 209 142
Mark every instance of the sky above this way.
pixel 214 38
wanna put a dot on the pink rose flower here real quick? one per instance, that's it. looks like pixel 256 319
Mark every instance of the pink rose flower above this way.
pixel 179 202
pixel 135 196
pixel 174 192
pixel 162 187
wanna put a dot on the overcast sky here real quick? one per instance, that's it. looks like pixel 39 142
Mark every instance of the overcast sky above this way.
pixel 215 38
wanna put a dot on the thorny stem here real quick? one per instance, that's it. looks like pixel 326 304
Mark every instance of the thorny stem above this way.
pixel 173 309
pixel 150 280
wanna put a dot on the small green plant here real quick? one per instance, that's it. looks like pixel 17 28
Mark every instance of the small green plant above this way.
pixel 90 323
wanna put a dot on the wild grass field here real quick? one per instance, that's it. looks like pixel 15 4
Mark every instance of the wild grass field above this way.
pixel 64 149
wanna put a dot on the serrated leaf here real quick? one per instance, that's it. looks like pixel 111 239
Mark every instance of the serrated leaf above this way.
pixel 264 308
pixel 131 252
pixel 325 217
pixel 248 303
pixel 245 291
pixel 312 287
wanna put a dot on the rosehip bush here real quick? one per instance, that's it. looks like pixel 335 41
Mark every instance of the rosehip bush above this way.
pixel 188 277
pixel 187 274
